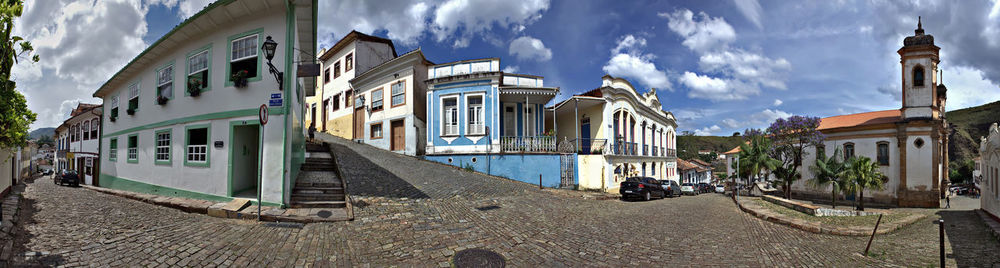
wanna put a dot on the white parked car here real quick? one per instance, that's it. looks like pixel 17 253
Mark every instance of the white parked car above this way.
pixel 719 188
pixel 688 188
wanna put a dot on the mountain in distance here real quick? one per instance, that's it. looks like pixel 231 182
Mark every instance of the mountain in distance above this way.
pixel 38 133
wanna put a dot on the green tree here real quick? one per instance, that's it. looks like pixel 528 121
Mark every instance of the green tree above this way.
pixel 15 118
pixel 754 158
pixel 863 174
pixel 829 171
pixel 791 137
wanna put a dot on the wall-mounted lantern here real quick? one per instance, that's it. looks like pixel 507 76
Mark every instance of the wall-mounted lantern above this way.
pixel 269 47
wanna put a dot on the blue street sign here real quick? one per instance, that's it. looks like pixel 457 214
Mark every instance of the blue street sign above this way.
pixel 275 95
pixel 274 102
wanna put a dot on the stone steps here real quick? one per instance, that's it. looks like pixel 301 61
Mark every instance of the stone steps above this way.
pixel 318 204
pixel 318 186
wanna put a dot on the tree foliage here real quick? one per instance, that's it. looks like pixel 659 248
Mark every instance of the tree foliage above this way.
pixel 863 174
pixel 830 171
pixel 15 117
pixel 791 137
pixel 754 157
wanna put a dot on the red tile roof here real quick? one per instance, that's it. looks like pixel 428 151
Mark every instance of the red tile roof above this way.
pixel 860 119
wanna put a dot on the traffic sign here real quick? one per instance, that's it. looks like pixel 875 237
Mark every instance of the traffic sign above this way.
pixel 262 114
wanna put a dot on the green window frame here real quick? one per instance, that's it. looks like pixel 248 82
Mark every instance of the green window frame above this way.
pixel 205 75
pixel 159 81
pixel 114 106
pixel 159 143
pixel 113 150
pixel 133 101
pixel 229 55
pixel 193 153
pixel 132 153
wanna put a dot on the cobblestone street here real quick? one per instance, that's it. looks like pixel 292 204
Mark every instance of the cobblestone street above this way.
pixel 417 213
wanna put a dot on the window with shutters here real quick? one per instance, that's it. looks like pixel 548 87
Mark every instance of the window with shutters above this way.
pixel 243 56
pixel 883 153
pixel 197 153
pixel 198 70
pixel 163 147
pixel 377 100
pixel 376 131
pixel 133 149
pixel 450 112
pixel 398 93
pixel 133 97
pixel 475 116
pixel 165 81
pixel 113 150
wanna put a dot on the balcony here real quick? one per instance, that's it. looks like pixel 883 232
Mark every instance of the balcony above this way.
pixel 655 152
pixel 591 146
pixel 645 149
pixel 528 144
pixel 671 153
pixel 624 148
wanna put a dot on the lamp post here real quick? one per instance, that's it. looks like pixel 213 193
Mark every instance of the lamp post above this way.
pixel 269 47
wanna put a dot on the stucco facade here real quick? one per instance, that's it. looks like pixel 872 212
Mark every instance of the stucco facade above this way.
pixel 81 141
pixel 392 97
pixel 989 151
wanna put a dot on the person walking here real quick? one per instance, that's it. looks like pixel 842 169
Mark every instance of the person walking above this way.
pixel 947 199
pixel 312 131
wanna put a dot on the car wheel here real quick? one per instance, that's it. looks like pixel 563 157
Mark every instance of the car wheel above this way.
pixel 647 196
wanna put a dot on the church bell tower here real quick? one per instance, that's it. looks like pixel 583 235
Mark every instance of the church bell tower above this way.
pixel 919 60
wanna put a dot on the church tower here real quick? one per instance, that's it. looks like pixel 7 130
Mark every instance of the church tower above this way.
pixel 919 59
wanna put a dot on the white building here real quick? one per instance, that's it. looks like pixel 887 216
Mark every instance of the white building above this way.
pixel 392 99
pixel 80 141
pixel 181 118
pixel 989 151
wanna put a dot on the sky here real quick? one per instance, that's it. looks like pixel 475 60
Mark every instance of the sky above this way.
pixel 719 66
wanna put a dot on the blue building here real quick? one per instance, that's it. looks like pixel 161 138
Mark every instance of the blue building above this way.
pixel 484 119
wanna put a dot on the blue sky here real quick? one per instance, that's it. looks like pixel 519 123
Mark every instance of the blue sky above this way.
pixel 719 66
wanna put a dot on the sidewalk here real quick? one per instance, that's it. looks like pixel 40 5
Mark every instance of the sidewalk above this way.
pixel 11 212
pixel 750 205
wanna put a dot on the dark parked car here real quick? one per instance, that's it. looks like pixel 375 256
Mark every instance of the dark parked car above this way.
pixel 68 177
pixel 671 188
pixel 704 188
pixel 643 187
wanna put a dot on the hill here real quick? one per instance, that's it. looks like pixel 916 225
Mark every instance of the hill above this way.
pixel 967 126
pixel 38 133
pixel 688 146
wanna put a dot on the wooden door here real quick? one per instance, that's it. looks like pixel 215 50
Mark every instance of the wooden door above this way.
pixel 398 136
pixel 325 111
pixel 359 123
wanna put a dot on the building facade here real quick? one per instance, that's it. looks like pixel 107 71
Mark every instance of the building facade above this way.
pixel 80 141
pixel 392 101
pixel 910 143
pixel 181 119
pixel 617 133
pixel 332 107
pixel 483 119
pixel 989 153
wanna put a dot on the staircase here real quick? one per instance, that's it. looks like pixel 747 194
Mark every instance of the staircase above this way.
pixel 318 185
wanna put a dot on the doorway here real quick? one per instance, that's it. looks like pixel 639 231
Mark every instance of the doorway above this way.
pixel 509 123
pixel 325 104
pixel 398 135
pixel 359 122
pixel 312 115
pixel 585 135
pixel 244 151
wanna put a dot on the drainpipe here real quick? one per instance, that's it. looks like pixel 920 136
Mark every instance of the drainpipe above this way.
pixel 576 121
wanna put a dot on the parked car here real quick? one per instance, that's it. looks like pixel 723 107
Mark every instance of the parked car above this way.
pixel 671 188
pixel 689 188
pixel 719 188
pixel 704 188
pixel 69 177
pixel 642 187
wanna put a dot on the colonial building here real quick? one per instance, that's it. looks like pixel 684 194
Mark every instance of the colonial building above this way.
pixel 332 106
pixel 617 132
pixel 989 151
pixel 391 102
pixel 79 142
pixel 181 118
pixel 910 143
pixel 483 119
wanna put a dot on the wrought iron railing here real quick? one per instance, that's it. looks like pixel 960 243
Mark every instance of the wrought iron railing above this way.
pixel 592 146
pixel 624 148
pixel 671 153
pixel 654 151
pixel 528 144
pixel 645 149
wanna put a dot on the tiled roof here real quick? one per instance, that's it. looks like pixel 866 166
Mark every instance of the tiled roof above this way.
pixel 355 35
pixel 685 165
pixel 700 163
pixel 861 119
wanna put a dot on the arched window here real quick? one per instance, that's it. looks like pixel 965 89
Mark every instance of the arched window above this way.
pixel 93 128
pixel 883 153
pixel 918 76
pixel 848 150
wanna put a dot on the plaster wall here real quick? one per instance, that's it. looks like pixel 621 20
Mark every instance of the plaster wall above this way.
pixel 520 167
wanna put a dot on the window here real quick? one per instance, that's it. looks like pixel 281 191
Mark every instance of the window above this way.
pixel 86 130
pixel 133 149
pixel 475 117
pixel 450 108
pixel 336 102
pixel 349 62
pixel 93 128
pixel 918 76
pixel 377 100
pixel 197 146
pixel 165 81
pixel 133 97
pixel 376 131
pixel 918 143
pixel 357 100
pixel 398 93
pixel 114 106
pixel 73 133
pixel 163 147
pixel 113 150
pixel 243 56
pixel 883 153
pixel 347 99
pixel 848 150
pixel 197 70
pixel 336 69
pixel 326 76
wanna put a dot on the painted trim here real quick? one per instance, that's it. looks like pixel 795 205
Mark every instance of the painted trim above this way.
pixel 208 141
pixel 203 117
pixel 156 79
pixel 371 134
pixel 129 160
pixel 260 151
pixel 117 183
pixel 382 99
pixel 391 96
pixel 114 148
pixel 138 95
pixel 229 55
pixel 170 151
pixel 187 67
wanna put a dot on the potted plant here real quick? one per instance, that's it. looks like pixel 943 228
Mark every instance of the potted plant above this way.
pixel 194 86
pixel 130 111
pixel 162 100
pixel 239 78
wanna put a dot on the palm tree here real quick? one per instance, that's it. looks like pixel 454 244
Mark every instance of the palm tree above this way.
pixel 829 171
pixel 754 156
pixel 863 173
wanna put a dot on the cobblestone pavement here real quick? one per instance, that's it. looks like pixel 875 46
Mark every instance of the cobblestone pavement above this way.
pixel 434 214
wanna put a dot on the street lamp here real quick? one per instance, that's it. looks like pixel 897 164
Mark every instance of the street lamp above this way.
pixel 269 47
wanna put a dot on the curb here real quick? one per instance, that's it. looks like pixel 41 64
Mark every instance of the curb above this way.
pixel 990 223
pixel 814 227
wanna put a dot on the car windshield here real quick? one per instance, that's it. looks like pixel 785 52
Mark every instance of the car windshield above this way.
pixel 632 179
pixel 687 184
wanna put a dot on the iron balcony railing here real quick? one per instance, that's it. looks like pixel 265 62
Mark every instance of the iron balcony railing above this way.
pixel 625 148
pixel 671 153
pixel 645 149
pixel 654 151
pixel 528 144
pixel 591 146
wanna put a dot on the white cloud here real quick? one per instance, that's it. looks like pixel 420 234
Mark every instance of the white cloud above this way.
pixel 967 87
pixel 189 7
pixel 405 22
pixel 511 69
pixel 894 90
pixel 468 18
pixel 707 131
pixel 529 48
pixel 730 123
pixel 746 66
pixel 750 9
pixel 778 102
pixel 628 60
pixel 716 89
pixel 704 35
pixel 767 116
